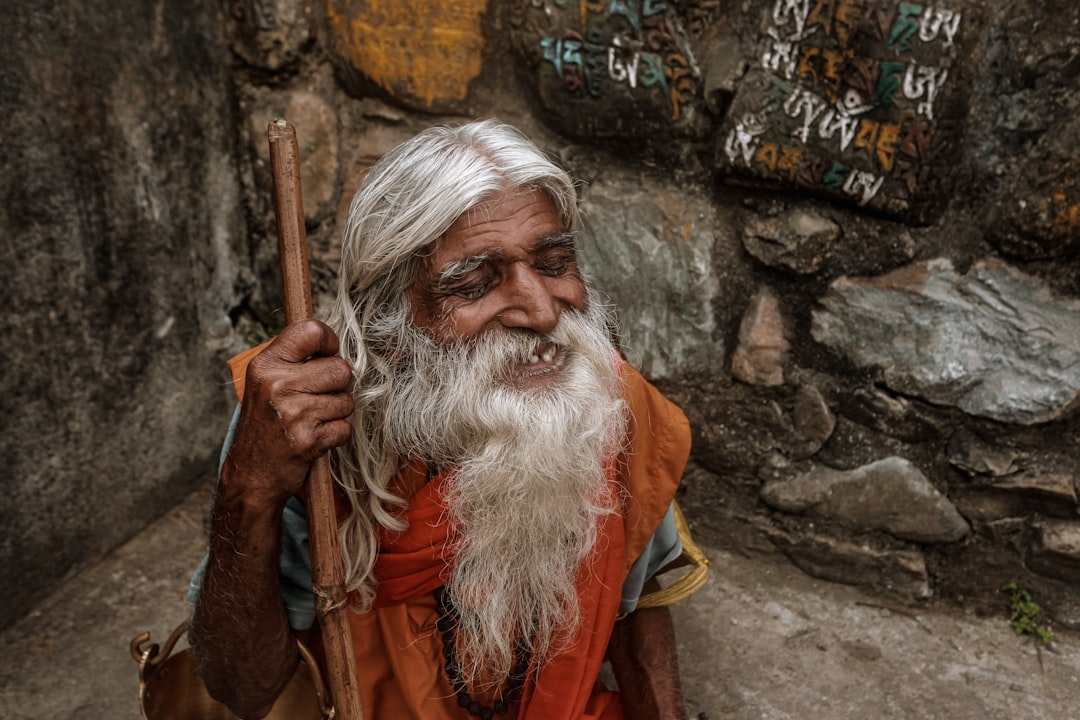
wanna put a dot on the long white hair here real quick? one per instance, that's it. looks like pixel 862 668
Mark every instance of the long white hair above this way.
pixel 408 200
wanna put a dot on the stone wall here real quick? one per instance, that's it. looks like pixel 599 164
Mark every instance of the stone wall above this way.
pixel 842 234
pixel 123 226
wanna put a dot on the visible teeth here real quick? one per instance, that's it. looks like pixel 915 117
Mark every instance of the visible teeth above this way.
pixel 533 359
pixel 549 354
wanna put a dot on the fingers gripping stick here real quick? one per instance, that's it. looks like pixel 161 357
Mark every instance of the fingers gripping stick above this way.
pixel 327 568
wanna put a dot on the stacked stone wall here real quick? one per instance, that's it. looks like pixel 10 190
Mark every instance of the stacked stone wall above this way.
pixel 843 234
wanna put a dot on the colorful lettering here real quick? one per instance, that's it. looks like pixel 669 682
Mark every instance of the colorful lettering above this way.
pixel 653 7
pixel 848 13
pixel 618 70
pixel 627 9
pixel 888 83
pixel 680 84
pixel 935 20
pixel 790 161
pixel 834 179
pixel 822 15
pixel 879 140
pixel 833 122
pixel 809 59
pixel 742 140
pixel 834 64
pixel 904 27
pixel 780 57
pixel 653 74
pixel 595 64
pixel 768 155
pixel 659 32
pixel 863 185
pixel 796 10
pixel 804 102
pixel 917 137
pixel 922 81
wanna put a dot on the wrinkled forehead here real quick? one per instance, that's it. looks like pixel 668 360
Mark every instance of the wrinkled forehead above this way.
pixel 501 222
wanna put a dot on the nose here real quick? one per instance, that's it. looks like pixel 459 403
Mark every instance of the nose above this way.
pixel 529 303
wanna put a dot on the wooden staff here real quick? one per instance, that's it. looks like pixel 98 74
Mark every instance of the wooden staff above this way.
pixel 327 567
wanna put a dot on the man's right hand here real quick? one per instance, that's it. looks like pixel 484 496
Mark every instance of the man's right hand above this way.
pixel 296 408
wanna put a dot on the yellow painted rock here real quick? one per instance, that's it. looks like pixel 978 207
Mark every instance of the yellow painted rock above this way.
pixel 423 53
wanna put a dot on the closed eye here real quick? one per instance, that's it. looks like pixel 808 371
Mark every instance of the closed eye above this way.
pixel 556 254
pixel 469 278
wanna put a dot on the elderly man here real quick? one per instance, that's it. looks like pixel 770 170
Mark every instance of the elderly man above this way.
pixel 505 480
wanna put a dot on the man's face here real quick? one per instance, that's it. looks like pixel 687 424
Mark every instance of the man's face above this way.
pixel 509 264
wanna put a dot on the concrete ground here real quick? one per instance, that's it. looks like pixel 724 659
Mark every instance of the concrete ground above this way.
pixel 761 641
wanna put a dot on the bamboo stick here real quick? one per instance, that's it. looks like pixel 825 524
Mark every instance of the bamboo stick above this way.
pixel 327 567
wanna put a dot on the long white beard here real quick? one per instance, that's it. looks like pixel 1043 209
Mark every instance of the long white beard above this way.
pixel 528 486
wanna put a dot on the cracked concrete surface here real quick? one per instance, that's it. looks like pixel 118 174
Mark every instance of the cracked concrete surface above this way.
pixel 761 641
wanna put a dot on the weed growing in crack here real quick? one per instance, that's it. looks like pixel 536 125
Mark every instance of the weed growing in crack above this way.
pixel 1026 614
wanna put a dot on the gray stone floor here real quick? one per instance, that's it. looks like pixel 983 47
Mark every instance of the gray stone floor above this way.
pixel 761 641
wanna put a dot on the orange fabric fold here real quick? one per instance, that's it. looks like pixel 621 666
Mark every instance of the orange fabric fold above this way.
pixel 414 562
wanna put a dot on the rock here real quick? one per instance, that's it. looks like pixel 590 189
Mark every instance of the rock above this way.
pixel 762 350
pixel 898 573
pixel 972 455
pixel 890 495
pixel 1017 496
pixel 895 416
pixel 797 240
pixel 269 34
pixel 422 54
pixel 612 70
pixel 650 252
pixel 124 223
pixel 1055 550
pixel 317 137
pixel 724 59
pixel 839 103
pixel 987 505
pixel 1036 213
pixel 995 342
pixel 1049 486
pixel 1040 215
pixel 813 420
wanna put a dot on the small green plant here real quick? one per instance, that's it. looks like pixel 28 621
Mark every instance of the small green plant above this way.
pixel 1026 614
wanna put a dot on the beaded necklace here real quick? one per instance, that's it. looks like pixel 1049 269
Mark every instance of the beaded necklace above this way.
pixel 448 620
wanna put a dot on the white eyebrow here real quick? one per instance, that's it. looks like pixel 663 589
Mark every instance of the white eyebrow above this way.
pixel 460 268
pixel 567 238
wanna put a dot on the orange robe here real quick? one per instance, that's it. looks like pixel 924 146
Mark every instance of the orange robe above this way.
pixel 397 647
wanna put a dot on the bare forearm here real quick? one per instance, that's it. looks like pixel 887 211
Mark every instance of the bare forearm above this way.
pixel 643 658
pixel 239 630
pixel 295 408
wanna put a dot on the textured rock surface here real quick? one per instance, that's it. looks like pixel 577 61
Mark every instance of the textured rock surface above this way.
pixel 993 342
pixel 424 54
pixel 269 34
pixel 141 237
pixel 318 146
pixel 858 101
pixel 901 574
pixel 122 217
pixel 611 70
pixel 762 350
pixel 890 495
pixel 798 239
pixel 650 253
